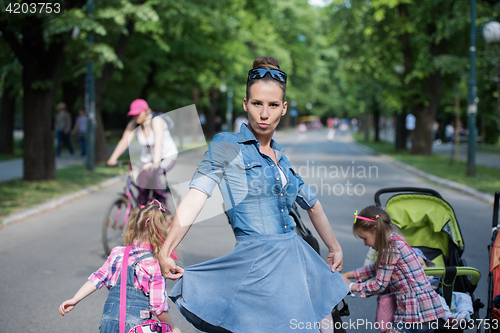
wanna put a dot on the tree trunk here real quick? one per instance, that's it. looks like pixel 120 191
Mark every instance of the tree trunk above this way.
pixel 7 111
pixel 42 62
pixel 212 109
pixel 101 146
pixel 71 90
pixel 149 82
pixel 425 116
pixel 408 68
pixel 376 119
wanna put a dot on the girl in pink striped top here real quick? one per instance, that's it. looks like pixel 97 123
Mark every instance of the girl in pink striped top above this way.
pixel 397 268
pixel 146 230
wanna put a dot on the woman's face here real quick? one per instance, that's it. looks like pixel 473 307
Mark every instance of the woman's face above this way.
pixel 142 117
pixel 265 107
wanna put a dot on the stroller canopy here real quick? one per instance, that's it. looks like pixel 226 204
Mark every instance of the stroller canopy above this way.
pixel 426 221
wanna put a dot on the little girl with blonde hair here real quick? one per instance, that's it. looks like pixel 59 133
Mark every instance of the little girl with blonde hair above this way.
pixel 146 231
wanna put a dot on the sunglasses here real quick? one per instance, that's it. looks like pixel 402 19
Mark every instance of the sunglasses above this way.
pixel 259 73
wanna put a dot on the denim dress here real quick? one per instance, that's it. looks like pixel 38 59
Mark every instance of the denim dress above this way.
pixel 273 281
pixel 137 301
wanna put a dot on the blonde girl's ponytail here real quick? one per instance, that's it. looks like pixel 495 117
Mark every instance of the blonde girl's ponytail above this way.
pixel 150 225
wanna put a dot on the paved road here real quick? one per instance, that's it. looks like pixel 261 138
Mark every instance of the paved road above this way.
pixel 491 160
pixel 46 258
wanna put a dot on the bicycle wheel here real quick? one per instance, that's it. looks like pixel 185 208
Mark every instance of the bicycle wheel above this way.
pixel 114 223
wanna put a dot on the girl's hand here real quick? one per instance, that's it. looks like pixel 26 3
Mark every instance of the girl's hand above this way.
pixel 335 259
pixel 67 306
pixel 169 269
pixel 176 330
pixel 346 280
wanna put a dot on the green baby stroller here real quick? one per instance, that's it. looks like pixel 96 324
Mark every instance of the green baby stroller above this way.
pixel 429 223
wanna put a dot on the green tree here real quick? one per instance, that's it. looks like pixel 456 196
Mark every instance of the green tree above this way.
pixel 38 41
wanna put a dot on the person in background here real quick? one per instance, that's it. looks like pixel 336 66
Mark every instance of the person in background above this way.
pixel 158 149
pixel 238 122
pixel 80 128
pixel 62 128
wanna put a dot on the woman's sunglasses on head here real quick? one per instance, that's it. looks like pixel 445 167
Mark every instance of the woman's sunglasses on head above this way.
pixel 259 73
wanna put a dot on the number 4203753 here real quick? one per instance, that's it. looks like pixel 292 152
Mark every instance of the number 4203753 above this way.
pixel 33 8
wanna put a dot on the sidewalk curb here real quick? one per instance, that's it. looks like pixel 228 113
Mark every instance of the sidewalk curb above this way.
pixel 54 203
pixel 447 183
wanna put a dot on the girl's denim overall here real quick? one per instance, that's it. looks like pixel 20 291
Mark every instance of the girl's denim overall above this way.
pixel 137 301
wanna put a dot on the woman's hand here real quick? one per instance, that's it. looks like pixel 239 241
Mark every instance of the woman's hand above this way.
pixel 336 260
pixel 169 269
pixel 150 166
pixel 112 162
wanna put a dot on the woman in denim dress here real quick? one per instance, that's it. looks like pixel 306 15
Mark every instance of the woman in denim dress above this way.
pixel 273 281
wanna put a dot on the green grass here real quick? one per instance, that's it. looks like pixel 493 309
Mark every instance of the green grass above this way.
pixel 487 148
pixel 17 194
pixel 486 180
pixel 18 152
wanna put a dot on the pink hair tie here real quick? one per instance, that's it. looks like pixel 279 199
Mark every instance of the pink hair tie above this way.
pixel 377 216
pixel 356 217
pixel 160 207
pixel 142 207
pixel 146 224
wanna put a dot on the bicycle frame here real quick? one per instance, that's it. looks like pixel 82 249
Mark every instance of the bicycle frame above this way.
pixel 132 200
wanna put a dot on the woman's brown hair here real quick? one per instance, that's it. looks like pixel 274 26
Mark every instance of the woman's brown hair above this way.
pixel 150 225
pixel 266 62
pixel 383 226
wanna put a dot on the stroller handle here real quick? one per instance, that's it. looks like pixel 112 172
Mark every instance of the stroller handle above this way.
pixel 441 271
pixel 405 189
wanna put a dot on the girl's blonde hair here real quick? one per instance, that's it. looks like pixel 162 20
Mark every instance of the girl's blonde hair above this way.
pixel 149 224
pixel 381 222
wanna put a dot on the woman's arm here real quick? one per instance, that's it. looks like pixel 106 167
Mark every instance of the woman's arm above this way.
pixel 322 226
pixel 187 212
pixel 87 289
pixel 158 128
pixel 122 144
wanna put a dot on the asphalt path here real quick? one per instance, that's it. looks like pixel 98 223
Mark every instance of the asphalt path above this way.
pixel 45 259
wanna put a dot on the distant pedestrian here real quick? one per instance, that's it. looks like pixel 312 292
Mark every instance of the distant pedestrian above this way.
pixel 62 128
pixel 146 288
pixel 449 132
pixel 238 122
pixel 80 129
pixel 158 149
pixel 302 131
pixel 410 126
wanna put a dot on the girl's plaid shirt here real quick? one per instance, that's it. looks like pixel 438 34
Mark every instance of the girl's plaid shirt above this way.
pixel 416 301
pixel 147 277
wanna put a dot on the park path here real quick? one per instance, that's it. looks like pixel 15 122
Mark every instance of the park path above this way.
pixel 46 258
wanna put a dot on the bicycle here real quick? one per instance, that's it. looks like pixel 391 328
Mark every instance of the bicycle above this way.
pixel 119 211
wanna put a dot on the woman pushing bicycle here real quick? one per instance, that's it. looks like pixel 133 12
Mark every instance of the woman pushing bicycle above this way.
pixel 158 149
pixel 273 281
